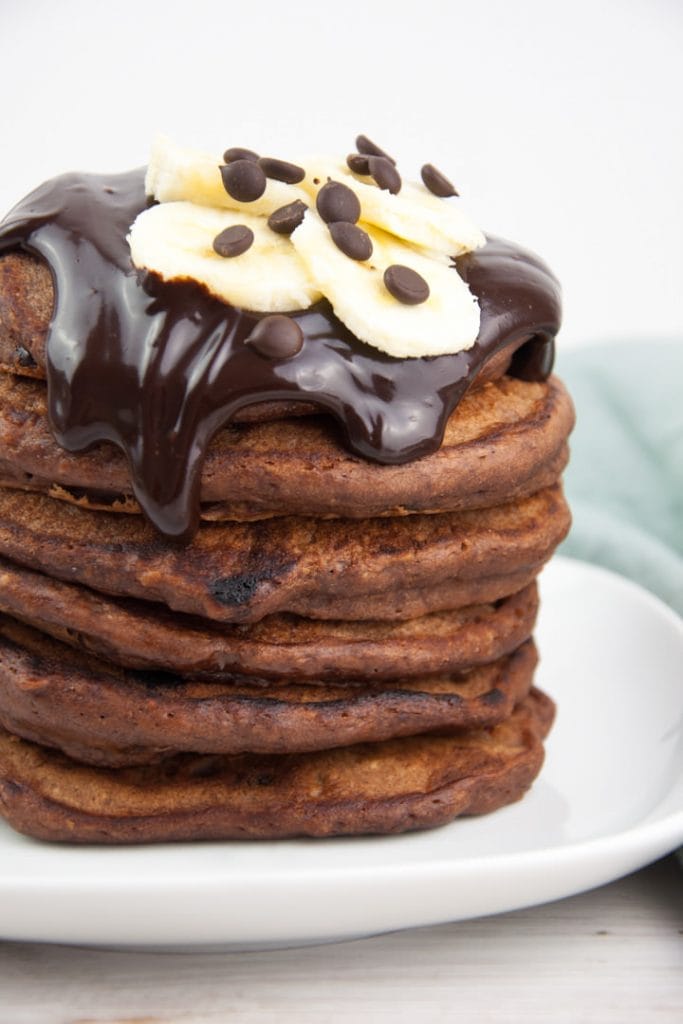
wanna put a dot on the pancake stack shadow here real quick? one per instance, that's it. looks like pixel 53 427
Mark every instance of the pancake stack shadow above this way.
pixel 343 648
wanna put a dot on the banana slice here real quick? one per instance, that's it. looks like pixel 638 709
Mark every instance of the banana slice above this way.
pixel 447 322
pixel 175 241
pixel 176 173
pixel 277 274
pixel 414 215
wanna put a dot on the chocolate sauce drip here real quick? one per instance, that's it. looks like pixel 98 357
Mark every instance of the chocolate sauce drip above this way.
pixel 158 368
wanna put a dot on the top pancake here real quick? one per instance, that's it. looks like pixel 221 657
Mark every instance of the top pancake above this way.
pixel 26 308
pixel 506 440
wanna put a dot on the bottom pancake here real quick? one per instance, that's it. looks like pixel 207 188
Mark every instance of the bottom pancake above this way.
pixel 101 714
pixel 390 787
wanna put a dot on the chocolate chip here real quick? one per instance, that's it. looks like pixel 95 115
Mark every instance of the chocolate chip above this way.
pixel 352 240
pixel 277 337
pixel 235 590
pixel 337 202
pixel 280 170
pixel 234 240
pixel 24 357
pixel 239 153
pixel 406 285
pixel 385 174
pixel 243 180
pixel 369 148
pixel 241 587
pixel 357 163
pixel 285 219
pixel 437 182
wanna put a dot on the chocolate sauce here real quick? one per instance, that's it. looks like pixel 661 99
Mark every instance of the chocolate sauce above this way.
pixel 158 368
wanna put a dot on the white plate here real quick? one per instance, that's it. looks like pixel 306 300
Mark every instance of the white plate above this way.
pixel 609 799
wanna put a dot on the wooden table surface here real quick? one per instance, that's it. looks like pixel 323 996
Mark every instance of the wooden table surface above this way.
pixel 611 955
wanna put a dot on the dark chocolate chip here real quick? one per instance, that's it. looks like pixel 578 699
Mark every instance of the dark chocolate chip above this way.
pixel 406 285
pixel 352 240
pixel 337 202
pixel 24 357
pixel 236 590
pixel 285 219
pixel 385 174
pixel 277 337
pixel 239 153
pixel 369 148
pixel 234 240
pixel 280 170
pixel 243 180
pixel 437 182
pixel 358 163
pixel 241 587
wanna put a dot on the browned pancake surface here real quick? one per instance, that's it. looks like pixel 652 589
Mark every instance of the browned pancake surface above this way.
pixel 140 635
pixel 104 715
pixel 395 786
pixel 506 440
pixel 240 572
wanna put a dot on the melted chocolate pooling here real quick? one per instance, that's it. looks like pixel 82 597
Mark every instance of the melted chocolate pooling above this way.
pixel 158 368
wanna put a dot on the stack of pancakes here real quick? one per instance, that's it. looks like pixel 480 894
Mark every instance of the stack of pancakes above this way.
pixel 343 648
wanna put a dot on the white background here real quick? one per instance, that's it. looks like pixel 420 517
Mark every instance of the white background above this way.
pixel 560 122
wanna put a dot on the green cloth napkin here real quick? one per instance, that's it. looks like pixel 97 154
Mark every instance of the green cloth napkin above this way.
pixel 625 477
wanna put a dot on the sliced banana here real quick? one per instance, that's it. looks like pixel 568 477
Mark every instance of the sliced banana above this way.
pixel 278 274
pixel 414 215
pixel 175 241
pixel 176 173
pixel 447 322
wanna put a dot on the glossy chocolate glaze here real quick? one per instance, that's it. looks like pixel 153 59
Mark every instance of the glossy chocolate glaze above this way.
pixel 158 368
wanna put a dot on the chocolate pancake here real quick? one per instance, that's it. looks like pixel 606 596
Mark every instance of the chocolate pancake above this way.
pixel 314 617
pixel 506 440
pixel 103 715
pixel 139 635
pixel 395 786
pixel 237 572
